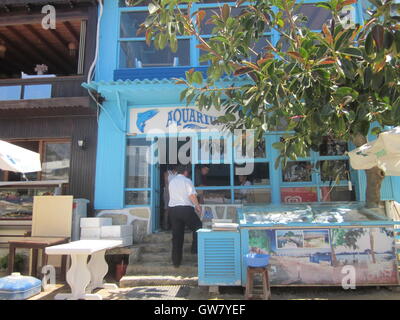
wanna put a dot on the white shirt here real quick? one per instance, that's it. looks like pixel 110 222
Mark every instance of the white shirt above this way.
pixel 180 188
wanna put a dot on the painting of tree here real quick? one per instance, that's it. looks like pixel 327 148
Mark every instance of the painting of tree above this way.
pixel 345 237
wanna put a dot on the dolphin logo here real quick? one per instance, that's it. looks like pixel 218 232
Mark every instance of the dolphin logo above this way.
pixel 143 117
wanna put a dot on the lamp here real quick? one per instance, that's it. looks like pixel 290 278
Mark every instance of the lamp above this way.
pixel 72 48
pixel 81 144
pixel 3 50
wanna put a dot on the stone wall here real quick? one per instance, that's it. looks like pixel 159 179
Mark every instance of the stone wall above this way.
pixel 139 217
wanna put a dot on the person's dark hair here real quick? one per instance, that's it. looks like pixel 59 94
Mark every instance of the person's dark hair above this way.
pixel 182 168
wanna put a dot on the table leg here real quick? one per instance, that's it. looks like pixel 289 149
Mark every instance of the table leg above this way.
pixel 11 259
pixel 78 278
pixel 98 268
pixel 34 262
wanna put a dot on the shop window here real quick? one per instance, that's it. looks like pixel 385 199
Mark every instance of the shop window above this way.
pixel 245 147
pixel 130 23
pixel 212 175
pixel 55 156
pixel 137 197
pixel 138 164
pixel 213 149
pixel 56 161
pixel 331 147
pixel 337 194
pixel 137 54
pixel 299 194
pixel 214 196
pixel 134 3
pixel 258 176
pixel 316 16
pixel 252 196
pixel 333 169
pixel 297 171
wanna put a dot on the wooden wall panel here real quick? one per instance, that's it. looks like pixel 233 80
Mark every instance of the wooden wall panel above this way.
pixel 83 161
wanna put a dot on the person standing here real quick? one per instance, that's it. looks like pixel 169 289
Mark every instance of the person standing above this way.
pixel 168 176
pixel 184 210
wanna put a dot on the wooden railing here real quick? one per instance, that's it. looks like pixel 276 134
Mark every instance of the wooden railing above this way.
pixel 61 87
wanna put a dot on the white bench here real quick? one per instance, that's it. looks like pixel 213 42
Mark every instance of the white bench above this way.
pixel 83 276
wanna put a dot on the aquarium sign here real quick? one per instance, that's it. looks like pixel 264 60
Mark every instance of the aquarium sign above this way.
pixel 172 119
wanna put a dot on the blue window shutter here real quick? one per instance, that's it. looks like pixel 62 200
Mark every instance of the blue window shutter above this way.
pixel 219 258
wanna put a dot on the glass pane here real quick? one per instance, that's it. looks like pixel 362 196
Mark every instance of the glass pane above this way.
pixel 213 149
pixel 259 175
pixel 137 197
pixel 214 196
pixel 56 161
pixel 337 194
pixel 331 147
pixel 212 175
pixel 137 54
pixel 138 164
pixel 134 3
pixel 253 196
pixel 333 168
pixel 297 171
pixel 299 194
pixel 130 23
pixel 206 28
pixel 18 203
pixel 316 16
pixel 244 147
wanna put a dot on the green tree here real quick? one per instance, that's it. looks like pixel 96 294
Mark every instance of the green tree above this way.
pixel 333 83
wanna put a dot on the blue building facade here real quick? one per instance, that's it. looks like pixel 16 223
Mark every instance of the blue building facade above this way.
pixel 136 82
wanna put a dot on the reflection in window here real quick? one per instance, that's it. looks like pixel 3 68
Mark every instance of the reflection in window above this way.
pixel 331 147
pixel 56 161
pixel 258 176
pixel 297 171
pixel 299 194
pixel 130 23
pixel 337 194
pixel 137 54
pixel 316 16
pixel 253 196
pixel 331 169
pixel 138 164
pixel 137 197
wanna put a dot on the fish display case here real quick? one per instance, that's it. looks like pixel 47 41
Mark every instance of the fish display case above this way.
pixel 317 244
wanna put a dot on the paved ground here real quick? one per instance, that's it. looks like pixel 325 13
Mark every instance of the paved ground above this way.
pixel 234 293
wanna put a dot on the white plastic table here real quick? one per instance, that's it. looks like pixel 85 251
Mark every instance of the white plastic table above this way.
pixel 83 276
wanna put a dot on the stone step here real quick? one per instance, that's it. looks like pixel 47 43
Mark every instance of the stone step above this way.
pixel 187 269
pixel 166 257
pixel 163 247
pixel 143 280
pixel 165 236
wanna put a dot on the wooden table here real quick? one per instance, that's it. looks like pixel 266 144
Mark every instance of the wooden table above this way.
pixel 82 275
pixel 36 244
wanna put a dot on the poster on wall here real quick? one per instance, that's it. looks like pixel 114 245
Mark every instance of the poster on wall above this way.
pixel 318 256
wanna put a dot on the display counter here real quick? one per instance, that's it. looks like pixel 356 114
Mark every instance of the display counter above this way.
pixel 309 244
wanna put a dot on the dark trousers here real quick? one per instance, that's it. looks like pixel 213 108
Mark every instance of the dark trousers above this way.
pixel 180 217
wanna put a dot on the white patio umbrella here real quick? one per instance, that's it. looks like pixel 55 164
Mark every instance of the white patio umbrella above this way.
pixel 383 152
pixel 17 159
